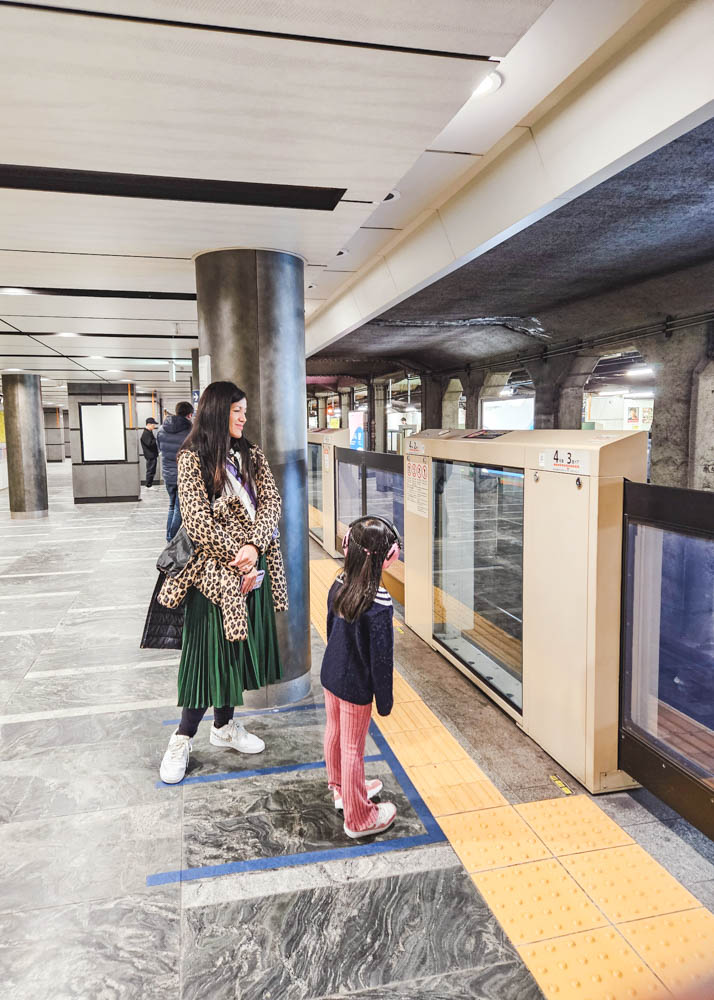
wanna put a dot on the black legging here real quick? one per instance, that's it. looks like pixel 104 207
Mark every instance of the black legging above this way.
pixel 190 718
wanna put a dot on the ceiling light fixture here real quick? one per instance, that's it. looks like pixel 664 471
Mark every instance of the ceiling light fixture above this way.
pixel 489 84
pixel 8 290
pixel 97 357
pixel 68 335
pixel 13 369
pixel 638 372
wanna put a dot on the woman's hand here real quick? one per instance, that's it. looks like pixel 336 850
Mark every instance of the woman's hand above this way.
pixel 246 559
pixel 248 581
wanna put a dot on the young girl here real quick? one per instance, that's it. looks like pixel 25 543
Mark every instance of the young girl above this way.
pixel 358 666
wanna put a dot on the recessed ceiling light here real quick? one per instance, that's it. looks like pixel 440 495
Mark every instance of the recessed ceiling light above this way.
pixel 489 84
pixel 112 371
pixel 97 357
pixel 393 195
pixel 638 372
pixel 7 290
pixel 13 369
pixel 68 334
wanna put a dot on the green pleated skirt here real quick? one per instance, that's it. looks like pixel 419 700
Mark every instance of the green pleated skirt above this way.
pixel 215 671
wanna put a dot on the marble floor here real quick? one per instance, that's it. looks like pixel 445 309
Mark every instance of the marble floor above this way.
pixel 240 883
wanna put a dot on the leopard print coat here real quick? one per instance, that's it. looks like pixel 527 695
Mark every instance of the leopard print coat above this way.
pixel 218 534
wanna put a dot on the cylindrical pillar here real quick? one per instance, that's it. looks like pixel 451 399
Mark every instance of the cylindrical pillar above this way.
pixel 322 409
pixel 251 323
pixel 380 415
pixel 25 434
pixel 345 407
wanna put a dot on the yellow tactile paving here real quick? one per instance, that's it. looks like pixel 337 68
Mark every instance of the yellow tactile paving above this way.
pixel 426 746
pixel 406 717
pixel 573 824
pixel 678 946
pixel 435 777
pixel 403 691
pixel 492 838
pixel 627 884
pixel 594 965
pixel 537 900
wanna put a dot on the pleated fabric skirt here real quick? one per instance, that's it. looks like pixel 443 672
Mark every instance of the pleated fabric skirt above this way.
pixel 215 671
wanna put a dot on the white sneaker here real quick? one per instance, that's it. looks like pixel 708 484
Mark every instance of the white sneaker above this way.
pixel 374 787
pixel 234 737
pixel 386 814
pixel 175 761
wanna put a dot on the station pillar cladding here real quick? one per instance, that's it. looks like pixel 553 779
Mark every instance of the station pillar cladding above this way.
pixel 26 455
pixel 251 331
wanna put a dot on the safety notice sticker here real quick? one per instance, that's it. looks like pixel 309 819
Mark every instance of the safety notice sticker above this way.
pixel 417 486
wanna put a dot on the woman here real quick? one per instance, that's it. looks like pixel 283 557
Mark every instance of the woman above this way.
pixel 231 508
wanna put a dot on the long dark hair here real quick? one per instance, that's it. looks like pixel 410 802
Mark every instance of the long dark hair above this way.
pixel 210 437
pixel 370 541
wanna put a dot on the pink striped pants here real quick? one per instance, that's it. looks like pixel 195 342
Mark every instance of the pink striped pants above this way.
pixel 345 736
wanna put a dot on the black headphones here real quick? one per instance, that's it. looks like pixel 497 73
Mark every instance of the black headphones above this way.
pixel 396 547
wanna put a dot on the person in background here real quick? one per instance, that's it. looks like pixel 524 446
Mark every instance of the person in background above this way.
pixel 151 450
pixel 357 667
pixel 172 434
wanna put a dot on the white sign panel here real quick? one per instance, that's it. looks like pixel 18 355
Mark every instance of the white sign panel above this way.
pixel 565 460
pixel 414 446
pixel 416 487
pixel 102 427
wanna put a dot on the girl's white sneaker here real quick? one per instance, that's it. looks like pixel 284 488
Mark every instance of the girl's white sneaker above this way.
pixel 386 814
pixel 175 760
pixel 374 787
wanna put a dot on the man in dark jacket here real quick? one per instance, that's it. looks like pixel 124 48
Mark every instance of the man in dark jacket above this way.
pixel 151 451
pixel 173 433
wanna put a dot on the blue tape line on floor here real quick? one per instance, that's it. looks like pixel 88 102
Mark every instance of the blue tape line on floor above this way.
pixel 257 711
pixel 293 860
pixel 256 773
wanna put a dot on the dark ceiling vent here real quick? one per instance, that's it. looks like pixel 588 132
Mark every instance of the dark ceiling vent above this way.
pixel 196 189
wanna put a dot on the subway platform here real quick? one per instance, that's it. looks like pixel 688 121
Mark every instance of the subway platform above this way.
pixel 502 879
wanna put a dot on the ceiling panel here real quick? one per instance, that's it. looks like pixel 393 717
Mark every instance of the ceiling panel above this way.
pixel 128 346
pixel 52 269
pixel 481 27
pixel 164 101
pixel 85 224
pixel 71 306
pixel 148 327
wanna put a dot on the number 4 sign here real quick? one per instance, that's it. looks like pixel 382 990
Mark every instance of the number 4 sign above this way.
pixel 565 460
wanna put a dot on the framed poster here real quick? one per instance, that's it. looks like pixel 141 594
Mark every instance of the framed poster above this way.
pixel 101 430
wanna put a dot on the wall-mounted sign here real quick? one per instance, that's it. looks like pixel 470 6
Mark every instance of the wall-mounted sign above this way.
pixel 416 486
pixel 102 435
pixel 565 460
pixel 357 435
pixel 413 446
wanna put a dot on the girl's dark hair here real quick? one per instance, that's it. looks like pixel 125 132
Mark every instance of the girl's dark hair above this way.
pixel 363 569
pixel 211 440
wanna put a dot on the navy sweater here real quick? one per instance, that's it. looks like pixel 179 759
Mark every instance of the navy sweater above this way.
pixel 359 660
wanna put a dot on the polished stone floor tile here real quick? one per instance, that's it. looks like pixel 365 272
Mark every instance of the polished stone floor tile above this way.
pixel 18 612
pixel 82 628
pixel 117 656
pixel 40 738
pixel 72 859
pixel 120 949
pixel 79 779
pixel 285 814
pixel 105 688
pixel 339 941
